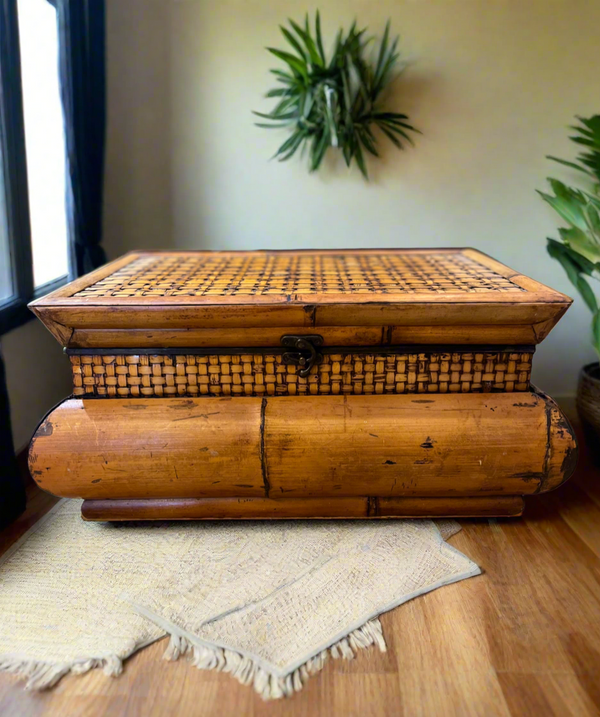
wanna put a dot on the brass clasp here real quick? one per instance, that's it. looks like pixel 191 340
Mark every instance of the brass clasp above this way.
pixel 305 355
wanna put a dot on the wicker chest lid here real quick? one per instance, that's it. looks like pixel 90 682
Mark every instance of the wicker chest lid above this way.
pixel 350 297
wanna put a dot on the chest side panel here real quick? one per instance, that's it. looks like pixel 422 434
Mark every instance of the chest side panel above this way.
pixel 168 375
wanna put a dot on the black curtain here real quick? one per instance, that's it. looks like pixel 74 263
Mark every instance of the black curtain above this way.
pixel 82 34
pixel 81 31
pixel 12 490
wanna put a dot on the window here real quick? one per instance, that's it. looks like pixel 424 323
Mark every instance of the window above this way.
pixel 44 140
pixel 6 288
pixel 34 246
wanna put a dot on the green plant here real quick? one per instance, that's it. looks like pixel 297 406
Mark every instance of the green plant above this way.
pixel 579 247
pixel 335 102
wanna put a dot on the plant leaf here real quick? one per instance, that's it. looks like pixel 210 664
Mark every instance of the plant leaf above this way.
pixel 394 128
pixel 360 160
pixel 568 209
pixel 283 107
pixel 386 61
pixel 594 144
pixel 271 126
pixel 389 115
pixel 318 149
pixel 284 77
pixel 587 135
pixel 579 251
pixel 278 92
pixel 587 294
pixel 593 218
pixel 391 136
pixel 567 264
pixel 307 104
pixel 596 331
pixel 556 250
pixel 390 63
pixel 335 57
pixel 572 165
pixel 348 152
pixel 382 53
pixel 583 132
pixel 394 119
pixel 580 242
pixel 320 38
pixel 285 116
pixel 309 43
pixel 289 142
pixel 367 142
pixel 297 139
pixel 583 262
pixel 293 42
pixel 592 123
pixel 294 63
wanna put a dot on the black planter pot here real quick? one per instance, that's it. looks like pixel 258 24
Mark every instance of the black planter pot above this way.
pixel 588 406
pixel 12 490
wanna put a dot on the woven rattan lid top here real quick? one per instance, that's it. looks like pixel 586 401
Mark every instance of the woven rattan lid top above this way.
pixel 182 291
pixel 293 276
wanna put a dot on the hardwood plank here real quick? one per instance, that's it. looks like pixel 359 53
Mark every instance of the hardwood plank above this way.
pixel 446 628
pixel 453 693
pixel 556 694
pixel 365 695
pixel 580 513
pixel 526 694
pixel 579 696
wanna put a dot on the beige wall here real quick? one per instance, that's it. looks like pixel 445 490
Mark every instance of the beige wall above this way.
pixel 37 376
pixel 491 83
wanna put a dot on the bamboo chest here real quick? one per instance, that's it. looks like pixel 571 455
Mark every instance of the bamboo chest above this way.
pixel 302 384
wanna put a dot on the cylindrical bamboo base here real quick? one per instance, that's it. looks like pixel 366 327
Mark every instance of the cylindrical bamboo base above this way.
pixel 323 447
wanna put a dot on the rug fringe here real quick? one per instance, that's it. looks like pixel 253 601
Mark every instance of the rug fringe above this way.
pixel 269 685
pixel 43 675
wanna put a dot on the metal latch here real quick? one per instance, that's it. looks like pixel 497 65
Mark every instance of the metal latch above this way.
pixel 305 354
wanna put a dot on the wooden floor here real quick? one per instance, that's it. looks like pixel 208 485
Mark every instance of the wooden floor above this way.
pixel 521 639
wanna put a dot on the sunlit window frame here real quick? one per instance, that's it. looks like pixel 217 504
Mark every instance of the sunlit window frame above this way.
pixel 13 311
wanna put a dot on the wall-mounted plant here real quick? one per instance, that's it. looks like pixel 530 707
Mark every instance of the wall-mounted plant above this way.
pixel 334 101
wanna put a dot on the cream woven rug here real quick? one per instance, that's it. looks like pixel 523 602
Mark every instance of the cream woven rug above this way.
pixel 268 602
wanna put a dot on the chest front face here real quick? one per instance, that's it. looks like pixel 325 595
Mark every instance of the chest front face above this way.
pixel 375 383
pixel 301 323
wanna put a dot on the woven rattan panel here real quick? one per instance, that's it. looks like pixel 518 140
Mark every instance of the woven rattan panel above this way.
pixel 288 274
pixel 265 375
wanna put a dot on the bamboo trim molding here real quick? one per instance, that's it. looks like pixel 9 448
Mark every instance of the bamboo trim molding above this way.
pixel 396 349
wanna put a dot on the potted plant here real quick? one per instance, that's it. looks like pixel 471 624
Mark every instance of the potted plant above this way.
pixel 579 249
